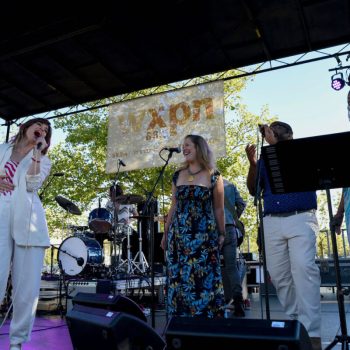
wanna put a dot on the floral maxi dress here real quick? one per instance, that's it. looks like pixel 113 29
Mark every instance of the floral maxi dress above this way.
pixel 194 285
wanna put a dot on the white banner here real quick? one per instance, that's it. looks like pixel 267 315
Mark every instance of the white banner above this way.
pixel 140 128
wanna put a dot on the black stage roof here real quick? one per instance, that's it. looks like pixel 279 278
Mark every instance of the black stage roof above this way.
pixel 54 56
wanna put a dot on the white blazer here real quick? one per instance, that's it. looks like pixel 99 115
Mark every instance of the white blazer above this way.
pixel 28 221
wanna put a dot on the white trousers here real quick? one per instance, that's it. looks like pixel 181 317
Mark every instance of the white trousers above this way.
pixel 25 264
pixel 290 257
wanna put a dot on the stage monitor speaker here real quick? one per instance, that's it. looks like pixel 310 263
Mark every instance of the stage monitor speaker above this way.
pixel 110 302
pixel 97 329
pixel 227 334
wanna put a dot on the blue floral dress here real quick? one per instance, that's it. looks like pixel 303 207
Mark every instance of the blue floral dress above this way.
pixel 194 285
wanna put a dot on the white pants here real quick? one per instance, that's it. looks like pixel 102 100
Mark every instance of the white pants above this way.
pixel 25 264
pixel 290 257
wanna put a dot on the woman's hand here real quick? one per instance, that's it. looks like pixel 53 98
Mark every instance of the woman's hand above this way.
pixel 221 241
pixel 5 185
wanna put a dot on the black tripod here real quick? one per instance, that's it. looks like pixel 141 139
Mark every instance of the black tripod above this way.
pixel 310 164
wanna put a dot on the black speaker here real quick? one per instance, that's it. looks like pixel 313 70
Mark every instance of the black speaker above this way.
pixel 97 329
pixel 227 334
pixel 110 302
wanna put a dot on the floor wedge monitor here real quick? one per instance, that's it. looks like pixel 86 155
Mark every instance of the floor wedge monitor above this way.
pixel 100 329
pixel 227 334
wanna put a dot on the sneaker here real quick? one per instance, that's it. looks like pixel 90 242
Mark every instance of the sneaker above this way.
pixel 15 347
pixel 239 310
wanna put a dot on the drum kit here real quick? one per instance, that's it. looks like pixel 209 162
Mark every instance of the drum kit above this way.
pixel 82 253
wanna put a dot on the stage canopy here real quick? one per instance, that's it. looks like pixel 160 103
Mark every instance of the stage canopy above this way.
pixel 54 56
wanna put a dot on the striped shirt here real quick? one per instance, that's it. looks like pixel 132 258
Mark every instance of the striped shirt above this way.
pixel 10 170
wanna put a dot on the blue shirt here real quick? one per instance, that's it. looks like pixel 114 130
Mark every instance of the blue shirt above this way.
pixel 232 200
pixel 284 203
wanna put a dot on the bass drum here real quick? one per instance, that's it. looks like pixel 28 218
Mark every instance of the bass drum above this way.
pixel 77 253
pixel 100 220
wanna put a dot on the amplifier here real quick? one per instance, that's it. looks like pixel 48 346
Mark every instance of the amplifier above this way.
pixel 75 287
pixel 327 271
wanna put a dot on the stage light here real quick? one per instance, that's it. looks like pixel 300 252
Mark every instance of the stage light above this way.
pixel 338 81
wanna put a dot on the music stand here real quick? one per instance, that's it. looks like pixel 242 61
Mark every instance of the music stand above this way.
pixel 310 164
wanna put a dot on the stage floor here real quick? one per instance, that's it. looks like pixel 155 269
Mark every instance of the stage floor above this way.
pixel 51 332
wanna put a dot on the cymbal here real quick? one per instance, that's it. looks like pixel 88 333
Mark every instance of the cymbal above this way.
pixel 68 205
pixel 129 199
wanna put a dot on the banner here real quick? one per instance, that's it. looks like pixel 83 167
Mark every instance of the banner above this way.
pixel 140 128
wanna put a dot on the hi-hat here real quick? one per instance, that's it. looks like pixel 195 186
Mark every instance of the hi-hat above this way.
pixel 68 205
pixel 129 199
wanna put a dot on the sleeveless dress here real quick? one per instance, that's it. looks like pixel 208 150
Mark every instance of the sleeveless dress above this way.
pixel 194 286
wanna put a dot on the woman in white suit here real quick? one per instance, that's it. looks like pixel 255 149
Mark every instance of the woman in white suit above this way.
pixel 23 230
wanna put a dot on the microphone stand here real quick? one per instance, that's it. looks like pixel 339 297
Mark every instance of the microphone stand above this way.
pixel 115 220
pixel 151 228
pixel 41 195
pixel 261 235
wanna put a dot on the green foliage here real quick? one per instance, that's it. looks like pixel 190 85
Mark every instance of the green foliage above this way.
pixel 83 158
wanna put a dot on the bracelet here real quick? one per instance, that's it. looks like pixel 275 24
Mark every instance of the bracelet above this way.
pixel 35 160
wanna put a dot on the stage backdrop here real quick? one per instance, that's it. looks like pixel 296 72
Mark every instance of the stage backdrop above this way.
pixel 140 128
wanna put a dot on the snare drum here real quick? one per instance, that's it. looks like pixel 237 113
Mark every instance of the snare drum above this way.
pixel 76 253
pixel 100 220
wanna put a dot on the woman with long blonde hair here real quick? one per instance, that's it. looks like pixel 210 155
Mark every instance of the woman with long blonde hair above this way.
pixel 194 234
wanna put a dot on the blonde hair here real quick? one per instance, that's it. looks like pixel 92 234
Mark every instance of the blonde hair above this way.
pixel 24 127
pixel 205 155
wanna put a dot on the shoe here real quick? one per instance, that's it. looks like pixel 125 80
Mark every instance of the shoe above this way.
pixel 15 346
pixel 229 305
pixel 316 343
pixel 239 310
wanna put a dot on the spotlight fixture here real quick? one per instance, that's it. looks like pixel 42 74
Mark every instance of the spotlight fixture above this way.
pixel 338 81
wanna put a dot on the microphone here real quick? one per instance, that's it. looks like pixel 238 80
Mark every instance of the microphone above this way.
pixel 80 261
pixel 172 149
pixel 37 134
pixel 58 174
pixel 262 129
pixel 121 162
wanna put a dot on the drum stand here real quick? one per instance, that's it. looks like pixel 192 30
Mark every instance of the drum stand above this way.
pixel 142 264
pixel 130 264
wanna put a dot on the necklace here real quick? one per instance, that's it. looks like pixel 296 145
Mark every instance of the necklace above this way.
pixel 191 175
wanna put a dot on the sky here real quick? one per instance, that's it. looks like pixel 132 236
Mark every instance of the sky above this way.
pixel 302 97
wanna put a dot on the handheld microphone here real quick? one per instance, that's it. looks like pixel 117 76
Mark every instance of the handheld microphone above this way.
pixel 262 129
pixel 37 134
pixel 121 162
pixel 172 149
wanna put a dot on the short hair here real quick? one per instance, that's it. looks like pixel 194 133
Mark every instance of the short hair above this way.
pixel 115 189
pixel 285 125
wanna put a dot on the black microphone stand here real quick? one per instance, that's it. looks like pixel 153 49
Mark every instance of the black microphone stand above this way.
pixel 115 220
pixel 151 228
pixel 261 235
pixel 41 195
